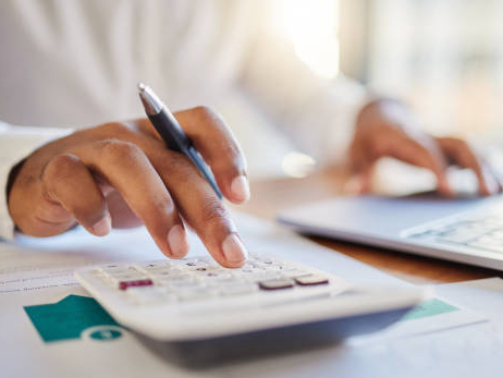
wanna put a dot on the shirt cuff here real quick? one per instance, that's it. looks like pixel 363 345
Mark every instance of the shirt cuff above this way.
pixel 16 143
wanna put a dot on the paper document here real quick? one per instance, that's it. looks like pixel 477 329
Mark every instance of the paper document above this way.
pixel 37 291
pixel 472 346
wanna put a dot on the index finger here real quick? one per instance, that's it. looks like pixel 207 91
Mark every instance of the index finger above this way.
pixel 413 152
pixel 464 156
pixel 216 143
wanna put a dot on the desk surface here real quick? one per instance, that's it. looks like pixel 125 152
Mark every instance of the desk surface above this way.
pixel 271 196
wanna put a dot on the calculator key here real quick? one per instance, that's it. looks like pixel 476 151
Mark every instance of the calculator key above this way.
pixel 175 282
pixel 217 276
pixel 166 273
pixel 295 273
pixel 151 295
pixel 240 289
pixel 226 282
pixel 276 284
pixel 115 270
pixel 111 267
pixel 264 276
pixel 209 261
pixel 311 280
pixel 183 284
pixel 195 294
pixel 149 265
pixel 124 285
pixel 127 276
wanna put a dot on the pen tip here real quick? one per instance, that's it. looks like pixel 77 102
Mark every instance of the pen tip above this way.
pixel 141 87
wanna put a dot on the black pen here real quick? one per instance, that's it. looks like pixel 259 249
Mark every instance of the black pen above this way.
pixel 172 133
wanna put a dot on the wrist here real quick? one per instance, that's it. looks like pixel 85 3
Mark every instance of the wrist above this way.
pixel 12 177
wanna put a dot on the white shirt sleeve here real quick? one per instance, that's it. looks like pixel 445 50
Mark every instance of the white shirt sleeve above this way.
pixel 318 114
pixel 16 143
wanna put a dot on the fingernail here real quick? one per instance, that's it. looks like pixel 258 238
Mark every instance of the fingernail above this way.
pixel 240 189
pixel 234 250
pixel 103 226
pixel 177 241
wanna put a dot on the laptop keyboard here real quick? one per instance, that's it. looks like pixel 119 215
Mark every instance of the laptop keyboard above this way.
pixel 484 232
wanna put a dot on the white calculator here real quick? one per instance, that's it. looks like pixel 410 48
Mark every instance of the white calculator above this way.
pixel 196 299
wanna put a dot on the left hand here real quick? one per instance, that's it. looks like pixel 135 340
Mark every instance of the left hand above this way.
pixel 386 128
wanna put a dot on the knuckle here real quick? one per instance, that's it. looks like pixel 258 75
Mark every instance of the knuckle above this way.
pixel 177 164
pixel 380 148
pixel 462 144
pixel 213 213
pixel 162 204
pixel 209 116
pixel 116 128
pixel 203 111
pixel 89 211
pixel 119 150
pixel 61 166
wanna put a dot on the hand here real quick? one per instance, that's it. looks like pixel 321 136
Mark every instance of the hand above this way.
pixel 387 128
pixel 122 175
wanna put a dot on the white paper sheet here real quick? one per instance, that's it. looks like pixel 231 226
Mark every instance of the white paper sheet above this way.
pixel 38 271
pixel 453 349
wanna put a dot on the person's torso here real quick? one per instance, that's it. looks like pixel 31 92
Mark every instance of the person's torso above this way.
pixel 77 62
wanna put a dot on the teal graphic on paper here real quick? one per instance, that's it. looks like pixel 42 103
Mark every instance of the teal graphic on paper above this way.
pixel 428 308
pixel 105 334
pixel 66 319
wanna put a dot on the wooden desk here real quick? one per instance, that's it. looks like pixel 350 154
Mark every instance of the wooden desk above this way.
pixel 269 197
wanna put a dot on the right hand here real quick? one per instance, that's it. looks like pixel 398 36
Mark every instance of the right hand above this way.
pixel 122 175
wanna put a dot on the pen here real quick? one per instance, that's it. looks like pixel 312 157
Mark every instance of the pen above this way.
pixel 172 133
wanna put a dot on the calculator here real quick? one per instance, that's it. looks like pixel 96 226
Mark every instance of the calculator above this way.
pixel 194 298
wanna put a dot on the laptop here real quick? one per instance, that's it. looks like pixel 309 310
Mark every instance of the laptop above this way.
pixel 466 230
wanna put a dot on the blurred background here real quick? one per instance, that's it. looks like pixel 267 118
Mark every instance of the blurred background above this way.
pixel 445 57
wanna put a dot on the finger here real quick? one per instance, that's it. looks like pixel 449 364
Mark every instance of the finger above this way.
pixel 128 170
pixel 459 151
pixel 121 213
pixel 67 181
pixel 413 152
pixel 496 175
pixel 361 180
pixel 202 209
pixel 214 140
pixel 365 178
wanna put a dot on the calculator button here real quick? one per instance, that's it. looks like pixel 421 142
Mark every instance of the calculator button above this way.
pixel 276 284
pixel 133 276
pixel 166 273
pixel 151 295
pixel 152 265
pixel 311 280
pixel 227 282
pixel 124 285
pixel 217 276
pixel 295 273
pixel 209 261
pixel 239 289
pixel 116 270
pixel 111 267
pixel 185 284
pixel 195 294
pixel 264 276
